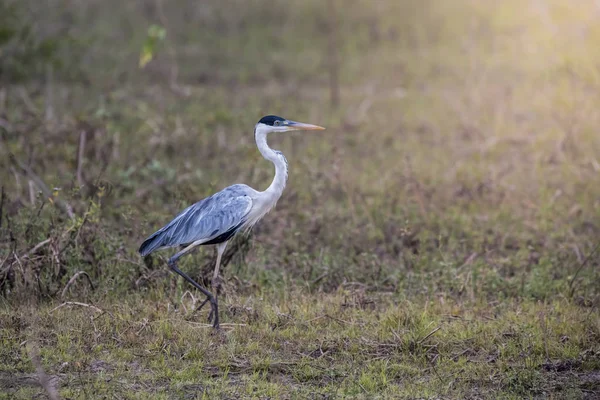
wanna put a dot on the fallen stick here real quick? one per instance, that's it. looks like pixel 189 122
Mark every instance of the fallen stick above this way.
pixel 76 303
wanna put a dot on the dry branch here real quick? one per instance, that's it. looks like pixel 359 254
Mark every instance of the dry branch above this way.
pixel 81 157
pixel 28 102
pixel 31 187
pixel 430 334
pixel 222 325
pixel 76 303
pixel 73 279
pixel 1 204
pixel 27 171
pixel 36 247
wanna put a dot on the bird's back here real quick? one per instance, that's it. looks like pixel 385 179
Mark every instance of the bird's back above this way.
pixel 211 220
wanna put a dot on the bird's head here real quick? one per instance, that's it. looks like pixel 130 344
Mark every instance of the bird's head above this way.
pixel 273 123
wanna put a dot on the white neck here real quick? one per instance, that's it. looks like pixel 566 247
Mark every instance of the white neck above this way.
pixel 275 190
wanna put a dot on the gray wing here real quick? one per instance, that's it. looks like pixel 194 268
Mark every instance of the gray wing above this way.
pixel 218 215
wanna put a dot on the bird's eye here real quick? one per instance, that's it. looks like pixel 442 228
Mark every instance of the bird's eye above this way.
pixel 277 123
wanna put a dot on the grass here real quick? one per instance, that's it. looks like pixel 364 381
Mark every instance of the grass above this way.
pixel 439 240
pixel 343 344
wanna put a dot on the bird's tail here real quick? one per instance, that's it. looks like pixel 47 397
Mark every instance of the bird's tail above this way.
pixel 153 242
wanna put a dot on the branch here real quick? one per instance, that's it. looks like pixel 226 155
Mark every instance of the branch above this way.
pixel 36 247
pixel 73 278
pixel 80 157
pixel 1 204
pixel 27 171
pixel 76 303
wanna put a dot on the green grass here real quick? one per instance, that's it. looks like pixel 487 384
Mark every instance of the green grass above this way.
pixel 342 344
pixel 437 241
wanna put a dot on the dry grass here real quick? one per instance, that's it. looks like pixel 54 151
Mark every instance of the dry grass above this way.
pixel 328 345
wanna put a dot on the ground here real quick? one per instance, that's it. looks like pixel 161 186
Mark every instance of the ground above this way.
pixel 438 241
pixel 343 344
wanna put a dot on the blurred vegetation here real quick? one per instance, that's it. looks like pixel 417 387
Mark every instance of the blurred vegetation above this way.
pixel 461 169
pixel 24 53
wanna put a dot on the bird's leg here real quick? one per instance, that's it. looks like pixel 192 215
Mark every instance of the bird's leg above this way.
pixel 209 297
pixel 216 281
pixel 202 305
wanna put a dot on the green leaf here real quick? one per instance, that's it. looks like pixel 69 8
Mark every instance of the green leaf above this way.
pixel 156 34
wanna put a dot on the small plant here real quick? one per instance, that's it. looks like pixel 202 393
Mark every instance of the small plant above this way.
pixel 156 35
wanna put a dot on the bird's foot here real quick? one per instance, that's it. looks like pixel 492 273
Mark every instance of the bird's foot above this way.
pixel 213 314
pixel 214 318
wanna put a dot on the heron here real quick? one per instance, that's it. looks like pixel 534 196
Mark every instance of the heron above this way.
pixel 217 218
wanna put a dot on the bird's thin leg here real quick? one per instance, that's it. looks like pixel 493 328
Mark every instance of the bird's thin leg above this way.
pixel 216 282
pixel 202 305
pixel 209 297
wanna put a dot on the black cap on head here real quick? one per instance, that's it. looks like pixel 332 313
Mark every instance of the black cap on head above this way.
pixel 270 120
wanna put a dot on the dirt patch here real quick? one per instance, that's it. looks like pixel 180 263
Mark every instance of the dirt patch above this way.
pixel 10 381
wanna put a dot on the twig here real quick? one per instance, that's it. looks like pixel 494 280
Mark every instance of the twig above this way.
pixel 320 278
pixel 27 254
pixel 577 252
pixel 314 319
pixel 36 247
pixel 435 369
pixel 544 334
pixel 34 354
pixel 1 204
pixel 571 286
pixel 73 278
pixel 16 257
pixel 49 111
pixel 27 101
pixel 8 254
pixel 430 334
pixel 188 293
pixel 332 53
pixel 31 186
pixel 63 205
pixel 76 303
pixel 146 277
pixel 144 326
pixel 32 219
pixel 17 181
pixel 80 157
pixel 222 325
pixel 341 321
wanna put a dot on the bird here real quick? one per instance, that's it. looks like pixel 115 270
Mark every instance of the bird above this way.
pixel 217 218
